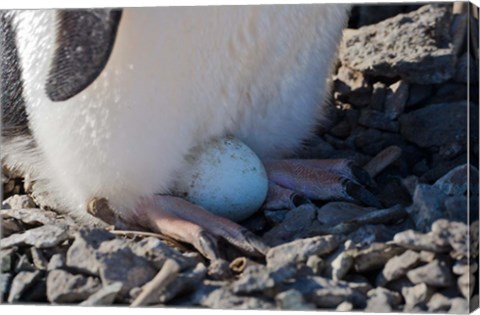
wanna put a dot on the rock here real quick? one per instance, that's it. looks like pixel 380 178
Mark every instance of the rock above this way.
pixel 416 296
pixel 300 250
pixel 374 256
pixel 382 160
pixel 219 270
pixel 438 303
pixel 463 72
pixel 466 284
pixel 341 130
pixel 355 86
pixel 57 261
pixel 158 252
pixel 344 307
pixel 256 279
pixel 426 256
pixel 23 264
pixel 456 208
pixel 18 202
pixel 316 264
pixel 222 298
pixel 462 267
pixel 331 297
pixel 436 274
pixel 275 217
pixel 382 300
pixel 396 99
pixel 104 296
pixel 5 279
pixel 38 259
pixel 372 141
pixel 456 234
pixel 436 125
pixel 41 237
pixel 417 241
pixel 292 300
pixel 99 253
pixel 31 216
pixel 455 181
pixel 22 282
pixel 398 266
pixel 417 94
pixel 395 285
pixel 377 98
pixel 414 46
pixel 377 120
pixel 428 206
pixel 459 306
pixel 297 224
pixel 184 283
pixel 6 256
pixel 64 287
pixel 340 266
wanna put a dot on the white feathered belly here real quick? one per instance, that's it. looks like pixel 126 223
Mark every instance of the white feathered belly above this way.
pixel 176 78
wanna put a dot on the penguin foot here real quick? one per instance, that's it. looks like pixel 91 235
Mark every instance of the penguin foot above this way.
pixel 341 179
pixel 186 222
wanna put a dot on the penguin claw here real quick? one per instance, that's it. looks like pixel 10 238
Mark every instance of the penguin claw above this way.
pixel 339 179
pixel 186 222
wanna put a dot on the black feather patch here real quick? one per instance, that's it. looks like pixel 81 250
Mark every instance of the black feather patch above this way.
pixel 14 115
pixel 85 39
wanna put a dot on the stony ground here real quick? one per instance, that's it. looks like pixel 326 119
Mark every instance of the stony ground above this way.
pixel 400 111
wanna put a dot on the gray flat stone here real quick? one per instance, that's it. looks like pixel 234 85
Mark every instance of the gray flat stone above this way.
pixel 64 287
pixel 42 237
pixel 435 274
pixel 414 46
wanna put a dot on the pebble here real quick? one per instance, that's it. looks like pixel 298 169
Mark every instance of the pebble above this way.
pixel 6 259
pixel 382 300
pixel 438 303
pixel 41 237
pixel 466 284
pixel 396 99
pixel 30 216
pixel 23 281
pixel 260 279
pixel 382 160
pixel 436 274
pixel 334 296
pixel 398 266
pixel 455 181
pixel 104 296
pixel 5 279
pixel 57 261
pixel 374 256
pixel 300 250
pixel 18 202
pixel 184 283
pixel 64 287
pixel 378 120
pixel 416 296
pixel 38 259
pixel 435 125
pixel 223 298
pixel 99 253
pixel 292 300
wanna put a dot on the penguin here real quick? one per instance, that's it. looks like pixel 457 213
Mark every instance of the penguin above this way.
pixel 107 103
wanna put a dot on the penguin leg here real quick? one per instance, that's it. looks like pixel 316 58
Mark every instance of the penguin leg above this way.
pixel 339 179
pixel 186 222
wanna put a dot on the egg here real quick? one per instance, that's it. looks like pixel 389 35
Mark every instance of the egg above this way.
pixel 226 178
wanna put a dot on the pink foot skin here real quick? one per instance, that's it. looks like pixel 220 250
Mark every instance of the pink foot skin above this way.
pixel 186 222
pixel 341 179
